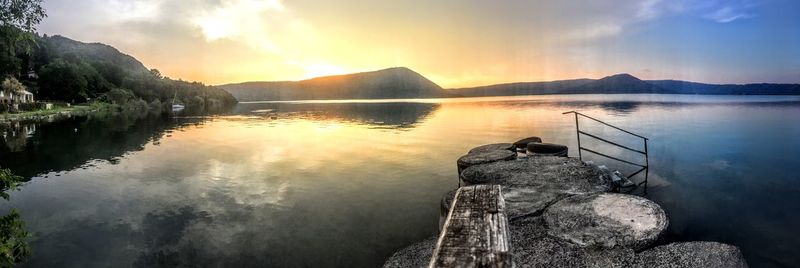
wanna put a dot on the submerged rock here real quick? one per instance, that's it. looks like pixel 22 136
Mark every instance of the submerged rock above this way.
pixel 416 255
pixel 606 220
pixel 492 147
pixel 692 254
pixel 484 158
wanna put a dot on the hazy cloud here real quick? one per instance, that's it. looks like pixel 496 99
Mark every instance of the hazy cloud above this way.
pixel 456 42
pixel 729 14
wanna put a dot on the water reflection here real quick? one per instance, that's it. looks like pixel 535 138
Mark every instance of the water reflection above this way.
pixel 386 114
pixel 346 184
pixel 36 148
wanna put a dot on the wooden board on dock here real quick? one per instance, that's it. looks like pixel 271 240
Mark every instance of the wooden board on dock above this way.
pixel 475 233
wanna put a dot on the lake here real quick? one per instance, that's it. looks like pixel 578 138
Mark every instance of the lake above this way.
pixel 346 183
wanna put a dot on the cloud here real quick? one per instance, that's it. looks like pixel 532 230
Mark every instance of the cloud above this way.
pixel 729 14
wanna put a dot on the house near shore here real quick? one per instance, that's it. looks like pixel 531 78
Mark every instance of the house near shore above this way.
pixel 23 96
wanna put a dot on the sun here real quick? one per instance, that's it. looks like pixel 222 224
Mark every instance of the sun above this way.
pixel 214 28
pixel 317 70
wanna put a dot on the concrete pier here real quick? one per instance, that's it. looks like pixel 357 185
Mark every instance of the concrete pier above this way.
pixel 561 213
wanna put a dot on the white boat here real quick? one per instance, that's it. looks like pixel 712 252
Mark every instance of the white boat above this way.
pixel 177 107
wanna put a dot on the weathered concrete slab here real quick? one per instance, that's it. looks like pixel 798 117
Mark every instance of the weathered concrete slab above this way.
pixel 416 255
pixel 551 174
pixel 690 255
pixel 526 201
pixel 476 231
pixel 606 220
pixel 484 158
pixel 492 147
pixel 534 248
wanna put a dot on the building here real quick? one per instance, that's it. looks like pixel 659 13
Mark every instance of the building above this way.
pixel 16 97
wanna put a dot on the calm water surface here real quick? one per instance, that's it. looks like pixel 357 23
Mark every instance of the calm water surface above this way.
pixel 321 184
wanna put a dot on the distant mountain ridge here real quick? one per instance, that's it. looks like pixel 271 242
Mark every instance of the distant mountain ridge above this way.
pixel 392 83
pixel 402 82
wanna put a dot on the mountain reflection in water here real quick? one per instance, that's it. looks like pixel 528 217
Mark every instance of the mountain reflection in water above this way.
pixel 347 183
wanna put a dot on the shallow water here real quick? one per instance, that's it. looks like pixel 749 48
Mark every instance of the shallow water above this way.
pixel 320 184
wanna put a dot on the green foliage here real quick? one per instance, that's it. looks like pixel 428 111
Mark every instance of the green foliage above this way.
pixel 18 19
pixel 32 106
pixel 61 80
pixel 8 182
pixel 118 96
pixel 14 247
pixel 23 14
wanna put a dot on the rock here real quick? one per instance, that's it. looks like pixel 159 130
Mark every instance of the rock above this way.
pixel 691 254
pixel 533 248
pixel 550 174
pixel 606 220
pixel 484 158
pixel 416 255
pixel 523 143
pixel 543 149
pixel 492 147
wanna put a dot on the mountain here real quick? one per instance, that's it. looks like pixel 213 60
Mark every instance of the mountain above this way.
pixel 684 87
pixel 521 88
pixel 618 84
pixel 615 84
pixel 94 52
pixel 404 83
pixel 74 71
pixel 392 83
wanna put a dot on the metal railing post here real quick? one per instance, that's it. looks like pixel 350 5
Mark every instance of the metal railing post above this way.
pixel 644 167
pixel 578 134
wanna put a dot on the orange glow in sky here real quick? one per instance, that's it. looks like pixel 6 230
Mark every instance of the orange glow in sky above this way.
pixel 455 44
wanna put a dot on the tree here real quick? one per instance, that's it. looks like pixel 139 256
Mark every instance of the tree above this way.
pixel 18 20
pixel 156 73
pixel 12 85
pixel 61 80
pixel 119 96
pixel 22 14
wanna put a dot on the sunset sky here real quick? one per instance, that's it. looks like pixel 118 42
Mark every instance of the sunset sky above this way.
pixel 455 43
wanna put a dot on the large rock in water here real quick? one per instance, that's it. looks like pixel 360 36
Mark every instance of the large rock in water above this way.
pixel 417 255
pixel 492 147
pixel 606 220
pixel 484 157
pixel 691 255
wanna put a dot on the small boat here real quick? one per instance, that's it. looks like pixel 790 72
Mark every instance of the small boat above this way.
pixel 177 107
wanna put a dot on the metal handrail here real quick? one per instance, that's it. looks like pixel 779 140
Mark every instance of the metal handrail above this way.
pixel 644 167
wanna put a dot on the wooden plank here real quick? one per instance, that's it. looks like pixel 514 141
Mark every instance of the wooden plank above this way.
pixel 475 233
